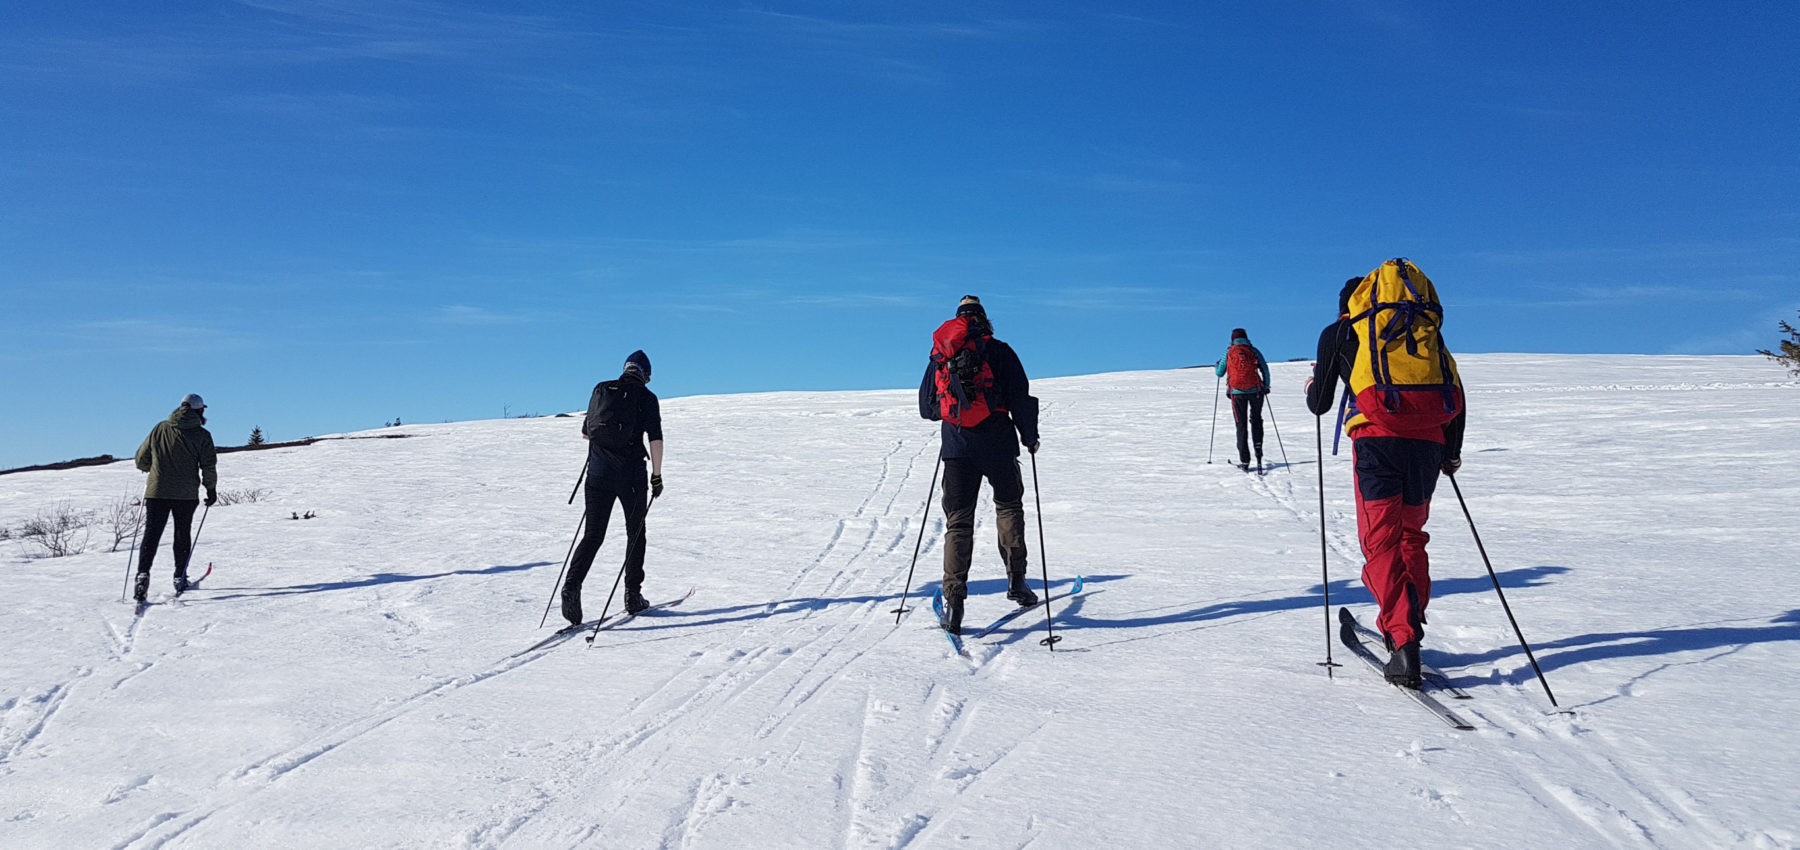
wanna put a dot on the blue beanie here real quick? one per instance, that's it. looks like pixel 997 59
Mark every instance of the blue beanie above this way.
pixel 638 362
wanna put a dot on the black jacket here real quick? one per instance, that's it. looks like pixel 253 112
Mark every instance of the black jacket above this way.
pixel 621 414
pixel 1336 359
pixel 1000 434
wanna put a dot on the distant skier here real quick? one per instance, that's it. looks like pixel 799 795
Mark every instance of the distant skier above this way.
pixel 976 386
pixel 180 458
pixel 1405 417
pixel 621 413
pixel 1247 374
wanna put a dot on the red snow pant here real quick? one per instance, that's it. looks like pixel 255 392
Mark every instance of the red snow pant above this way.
pixel 1395 477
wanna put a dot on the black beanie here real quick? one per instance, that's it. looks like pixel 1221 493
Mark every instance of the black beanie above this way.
pixel 1238 333
pixel 1345 293
pixel 638 362
pixel 971 306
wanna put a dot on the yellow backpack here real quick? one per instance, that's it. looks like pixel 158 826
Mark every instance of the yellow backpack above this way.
pixel 1404 381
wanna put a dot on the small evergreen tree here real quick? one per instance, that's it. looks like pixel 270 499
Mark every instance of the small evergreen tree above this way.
pixel 1790 350
pixel 256 437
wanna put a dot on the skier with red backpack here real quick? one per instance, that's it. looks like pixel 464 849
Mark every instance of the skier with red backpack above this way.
pixel 1247 374
pixel 977 387
pixel 1404 414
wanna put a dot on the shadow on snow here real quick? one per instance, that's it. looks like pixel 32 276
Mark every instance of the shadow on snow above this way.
pixel 371 580
pixel 1600 646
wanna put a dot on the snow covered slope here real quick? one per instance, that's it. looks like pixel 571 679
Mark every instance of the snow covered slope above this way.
pixel 352 680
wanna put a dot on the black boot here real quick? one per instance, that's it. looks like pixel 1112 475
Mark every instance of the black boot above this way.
pixel 1018 591
pixel 635 602
pixel 142 589
pixel 952 619
pixel 571 606
pixel 181 583
pixel 1403 668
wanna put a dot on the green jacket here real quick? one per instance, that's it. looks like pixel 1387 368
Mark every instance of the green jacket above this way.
pixel 179 456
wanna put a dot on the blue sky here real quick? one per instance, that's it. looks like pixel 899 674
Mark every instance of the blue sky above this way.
pixel 323 216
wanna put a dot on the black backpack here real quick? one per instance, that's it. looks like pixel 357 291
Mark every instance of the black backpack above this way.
pixel 612 415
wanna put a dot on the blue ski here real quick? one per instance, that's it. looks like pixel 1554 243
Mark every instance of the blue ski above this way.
pixel 956 641
pixel 1011 615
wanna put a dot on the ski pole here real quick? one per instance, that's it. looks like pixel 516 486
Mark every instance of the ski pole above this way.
pixel 1324 553
pixel 564 571
pixel 1043 560
pixel 1507 608
pixel 571 552
pixel 615 588
pixel 919 545
pixel 1215 421
pixel 1337 432
pixel 131 556
pixel 1278 442
pixel 578 480
pixel 195 543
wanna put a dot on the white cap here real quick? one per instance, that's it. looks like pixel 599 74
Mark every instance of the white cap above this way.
pixel 193 401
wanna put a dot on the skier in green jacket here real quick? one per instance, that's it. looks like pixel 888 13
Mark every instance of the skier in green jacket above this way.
pixel 180 458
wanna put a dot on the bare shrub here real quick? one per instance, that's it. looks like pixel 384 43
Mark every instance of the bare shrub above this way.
pixel 242 497
pixel 59 530
pixel 123 516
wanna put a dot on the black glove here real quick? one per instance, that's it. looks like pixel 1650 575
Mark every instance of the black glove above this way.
pixel 1451 465
pixel 212 495
pixel 655 486
pixel 1033 447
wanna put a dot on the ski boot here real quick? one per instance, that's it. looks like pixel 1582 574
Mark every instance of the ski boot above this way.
pixel 1020 592
pixel 1403 667
pixel 181 583
pixel 571 606
pixel 635 602
pixel 141 591
pixel 952 619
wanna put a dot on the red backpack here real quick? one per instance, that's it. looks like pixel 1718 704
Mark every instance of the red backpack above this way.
pixel 962 374
pixel 1241 371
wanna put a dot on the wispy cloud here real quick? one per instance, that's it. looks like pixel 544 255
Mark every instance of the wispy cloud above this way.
pixel 854 300
pixel 842 32
pixel 1390 16
pixel 1113 298
pixel 1745 341
pixel 890 50
pixel 797 241
pixel 463 314
pixel 1649 292
pixel 274 32
pixel 149 336
pixel 1653 253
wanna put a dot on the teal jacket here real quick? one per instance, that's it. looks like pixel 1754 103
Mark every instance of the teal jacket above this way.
pixel 179 456
pixel 1262 364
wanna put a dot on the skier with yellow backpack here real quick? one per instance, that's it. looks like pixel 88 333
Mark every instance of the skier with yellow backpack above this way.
pixel 1404 414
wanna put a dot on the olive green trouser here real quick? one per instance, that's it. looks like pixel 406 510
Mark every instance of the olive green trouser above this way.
pixel 962 488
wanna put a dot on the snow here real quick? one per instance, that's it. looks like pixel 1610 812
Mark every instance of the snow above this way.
pixel 353 680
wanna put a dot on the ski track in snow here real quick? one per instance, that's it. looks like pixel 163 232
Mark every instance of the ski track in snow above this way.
pixel 798 697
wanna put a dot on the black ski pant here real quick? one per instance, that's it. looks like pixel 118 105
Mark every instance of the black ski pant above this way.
pixel 156 518
pixel 600 498
pixel 1247 410
pixel 962 488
